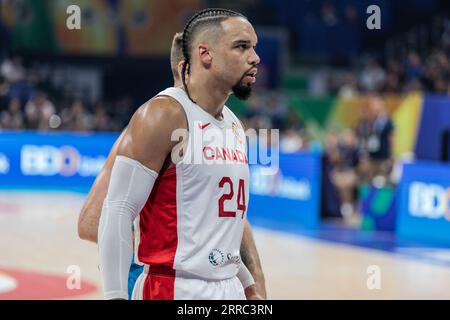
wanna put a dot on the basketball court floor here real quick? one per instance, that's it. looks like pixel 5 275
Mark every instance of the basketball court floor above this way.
pixel 41 257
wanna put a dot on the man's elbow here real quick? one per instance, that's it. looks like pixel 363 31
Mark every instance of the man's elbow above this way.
pixel 85 233
pixel 82 234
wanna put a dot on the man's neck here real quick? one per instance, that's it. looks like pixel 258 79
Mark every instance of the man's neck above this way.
pixel 208 95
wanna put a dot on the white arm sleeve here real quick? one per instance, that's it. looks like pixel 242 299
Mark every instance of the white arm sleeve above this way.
pixel 129 188
pixel 245 276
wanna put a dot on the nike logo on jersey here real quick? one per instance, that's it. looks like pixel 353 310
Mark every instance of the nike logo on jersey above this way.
pixel 204 126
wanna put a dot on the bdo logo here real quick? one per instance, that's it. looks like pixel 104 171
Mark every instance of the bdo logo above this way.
pixel 66 161
pixel 427 200
pixel 4 164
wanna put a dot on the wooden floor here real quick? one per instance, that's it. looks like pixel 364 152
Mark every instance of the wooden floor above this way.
pixel 38 235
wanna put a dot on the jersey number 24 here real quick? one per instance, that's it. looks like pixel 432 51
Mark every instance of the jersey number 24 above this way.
pixel 229 196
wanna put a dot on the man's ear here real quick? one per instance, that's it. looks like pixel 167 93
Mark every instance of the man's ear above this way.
pixel 204 55
pixel 180 69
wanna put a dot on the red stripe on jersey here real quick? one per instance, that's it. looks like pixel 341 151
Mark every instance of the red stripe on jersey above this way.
pixel 159 284
pixel 158 222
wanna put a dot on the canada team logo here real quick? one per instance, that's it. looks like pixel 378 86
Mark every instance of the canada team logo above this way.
pixel 234 128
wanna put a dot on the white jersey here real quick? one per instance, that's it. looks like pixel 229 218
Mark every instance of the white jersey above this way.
pixel 194 217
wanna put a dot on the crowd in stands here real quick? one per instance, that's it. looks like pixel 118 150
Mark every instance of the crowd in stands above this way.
pixel 25 104
pixel 358 156
pixel 412 72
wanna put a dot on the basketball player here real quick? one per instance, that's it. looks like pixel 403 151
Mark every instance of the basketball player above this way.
pixel 90 213
pixel 188 237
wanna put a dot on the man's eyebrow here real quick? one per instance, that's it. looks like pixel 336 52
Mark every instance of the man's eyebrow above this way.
pixel 241 41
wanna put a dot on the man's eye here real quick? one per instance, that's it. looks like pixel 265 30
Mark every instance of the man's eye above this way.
pixel 242 46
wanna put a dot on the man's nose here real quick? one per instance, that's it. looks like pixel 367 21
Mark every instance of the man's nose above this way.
pixel 254 58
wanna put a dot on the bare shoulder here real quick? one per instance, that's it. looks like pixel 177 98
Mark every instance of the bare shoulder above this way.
pixel 160 111
pixel 149 135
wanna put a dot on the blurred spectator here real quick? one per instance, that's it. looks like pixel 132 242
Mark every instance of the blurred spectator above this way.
pixel 77 118
pixel 12 70
pixel 257 115
pixel 276 110
pixel 294 120
pixel 362 131
pixel 291 141
pixel 351 15
pixel 349 87
pixel 329 14
pixel 330 201
pixel 437 72
pixel 38 111
pixel 123 110
pixel 102 122
pixel 380 139
pixel 372 77
pixel 318 84
pixel 413 67
pixel 348 150
pixel 344 174
pixel 5 40
pixel 331 148
pixel 254 106
pixel 15 77
pixel 394 75
pixel 12 118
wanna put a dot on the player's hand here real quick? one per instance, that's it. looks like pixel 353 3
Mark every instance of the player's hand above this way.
pixel 251 293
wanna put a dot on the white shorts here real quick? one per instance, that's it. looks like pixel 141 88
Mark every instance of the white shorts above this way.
pixel 163 285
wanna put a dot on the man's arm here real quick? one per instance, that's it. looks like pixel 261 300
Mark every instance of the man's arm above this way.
pixel 92 208
pixel 250 258
pixel 140 156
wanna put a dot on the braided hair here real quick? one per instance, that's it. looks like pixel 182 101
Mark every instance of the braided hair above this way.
pixel 207 16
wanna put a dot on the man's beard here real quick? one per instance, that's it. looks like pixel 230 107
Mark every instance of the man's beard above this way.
pixel 241 90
